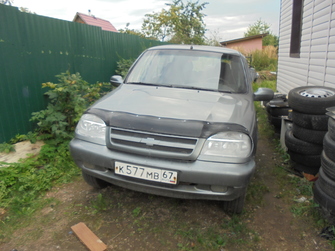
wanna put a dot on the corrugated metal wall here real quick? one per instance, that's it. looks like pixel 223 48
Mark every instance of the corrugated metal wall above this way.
pixel 316 65
pixel 33 49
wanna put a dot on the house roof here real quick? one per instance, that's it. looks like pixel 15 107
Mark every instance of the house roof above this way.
pixel 243 39
pixel 92 20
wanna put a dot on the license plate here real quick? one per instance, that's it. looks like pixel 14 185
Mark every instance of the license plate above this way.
pixel 146 173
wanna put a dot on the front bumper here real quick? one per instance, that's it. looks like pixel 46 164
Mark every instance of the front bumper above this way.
pixel 195 179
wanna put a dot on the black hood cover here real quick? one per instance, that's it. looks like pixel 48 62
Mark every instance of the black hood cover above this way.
pixel 187 128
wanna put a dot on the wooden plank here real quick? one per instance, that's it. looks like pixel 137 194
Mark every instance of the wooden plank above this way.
pixel 86 236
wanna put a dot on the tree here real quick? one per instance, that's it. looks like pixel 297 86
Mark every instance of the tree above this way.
pixel 9 2
pixel 26 10
pixel 261 27
pixel 214 39
pixel 126 30
pixel 181 23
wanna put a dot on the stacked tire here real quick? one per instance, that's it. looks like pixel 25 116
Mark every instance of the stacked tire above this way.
pixel 324 187
pixel 276 108
pixel 304 140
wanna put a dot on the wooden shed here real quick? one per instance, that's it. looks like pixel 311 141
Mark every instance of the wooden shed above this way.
pixel 247 44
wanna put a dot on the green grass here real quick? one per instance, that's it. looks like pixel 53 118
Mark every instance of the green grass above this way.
pixel 23 184
pixel 6 148
pixel 230 232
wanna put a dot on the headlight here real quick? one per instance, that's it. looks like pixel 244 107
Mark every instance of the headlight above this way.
pixel 228 144
pixel 91 128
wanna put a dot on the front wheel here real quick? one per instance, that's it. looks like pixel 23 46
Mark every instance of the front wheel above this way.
pixel 235 206
pixel 94 182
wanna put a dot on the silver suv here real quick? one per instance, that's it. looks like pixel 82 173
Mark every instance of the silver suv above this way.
pixel 181 124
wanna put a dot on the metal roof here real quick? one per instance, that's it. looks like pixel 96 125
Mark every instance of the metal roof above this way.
pixel 92 20
pixel 243 39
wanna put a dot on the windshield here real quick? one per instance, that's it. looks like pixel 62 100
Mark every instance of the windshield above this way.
pixel 190 69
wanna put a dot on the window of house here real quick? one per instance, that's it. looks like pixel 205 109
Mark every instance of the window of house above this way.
pixel 296 28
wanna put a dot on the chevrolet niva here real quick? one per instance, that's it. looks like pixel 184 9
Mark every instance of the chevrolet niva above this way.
pixel 181 124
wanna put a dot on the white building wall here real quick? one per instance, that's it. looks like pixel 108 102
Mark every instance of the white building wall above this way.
pixel 316 65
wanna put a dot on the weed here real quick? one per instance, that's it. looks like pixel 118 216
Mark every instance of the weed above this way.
pixel 31 136
pixel 22 183
pixel 231 232
pixel 6 148
pixel 256 191
pixel 265 84
pixel 99 203
pixel 302 186
pixel 136 212
pixel 265 59
pixel 184 247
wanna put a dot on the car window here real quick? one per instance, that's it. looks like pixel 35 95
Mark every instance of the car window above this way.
pixel 190 69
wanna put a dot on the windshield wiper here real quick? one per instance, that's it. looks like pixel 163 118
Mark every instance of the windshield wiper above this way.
pixel 151 84
pixel 139 83
pixel 201 89
pixel 193 88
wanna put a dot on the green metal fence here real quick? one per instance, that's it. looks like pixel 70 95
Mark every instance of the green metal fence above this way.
pixel 33 49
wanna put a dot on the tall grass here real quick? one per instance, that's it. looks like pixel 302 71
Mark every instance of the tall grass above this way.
pixel 266 59
pixel 262 60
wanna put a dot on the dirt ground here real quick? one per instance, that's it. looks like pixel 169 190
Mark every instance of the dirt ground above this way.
pixel 128 220
pixel 22 149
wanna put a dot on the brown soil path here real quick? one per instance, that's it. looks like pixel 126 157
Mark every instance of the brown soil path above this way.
pixel 277 226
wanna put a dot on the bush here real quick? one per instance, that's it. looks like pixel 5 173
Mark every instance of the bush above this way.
pixel 123 66
pixel 265 59
pixel 22 183
pixel 6 148
pixel 262 60
pixel 68 100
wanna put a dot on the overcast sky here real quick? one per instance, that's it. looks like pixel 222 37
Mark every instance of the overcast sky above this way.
pixel 225 19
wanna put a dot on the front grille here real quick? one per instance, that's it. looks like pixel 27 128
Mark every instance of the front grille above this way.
pixel 151 143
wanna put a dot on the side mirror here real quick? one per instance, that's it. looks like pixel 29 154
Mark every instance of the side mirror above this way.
pixel 263 94
pixel 116 80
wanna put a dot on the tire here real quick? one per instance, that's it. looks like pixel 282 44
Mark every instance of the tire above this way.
pixel 329 147
pixel 331 128
pixel 235 206
pixel 306 160
pixel 278 111
pixel 310 121
pixel 326 184
pixel 275 121
pixel 306 169
pixel 300 146
pixel 94 182
pixel 308 135
pixel 328 166
pixel 311 99
pixel 325 201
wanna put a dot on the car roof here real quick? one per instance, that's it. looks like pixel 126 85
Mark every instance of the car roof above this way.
pixel 197 48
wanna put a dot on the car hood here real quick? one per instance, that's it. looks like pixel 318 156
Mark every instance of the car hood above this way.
pixel 178 103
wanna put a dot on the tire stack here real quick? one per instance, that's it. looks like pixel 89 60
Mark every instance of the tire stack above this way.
pixel 304 140
pixel 324 187
pixel 276 108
